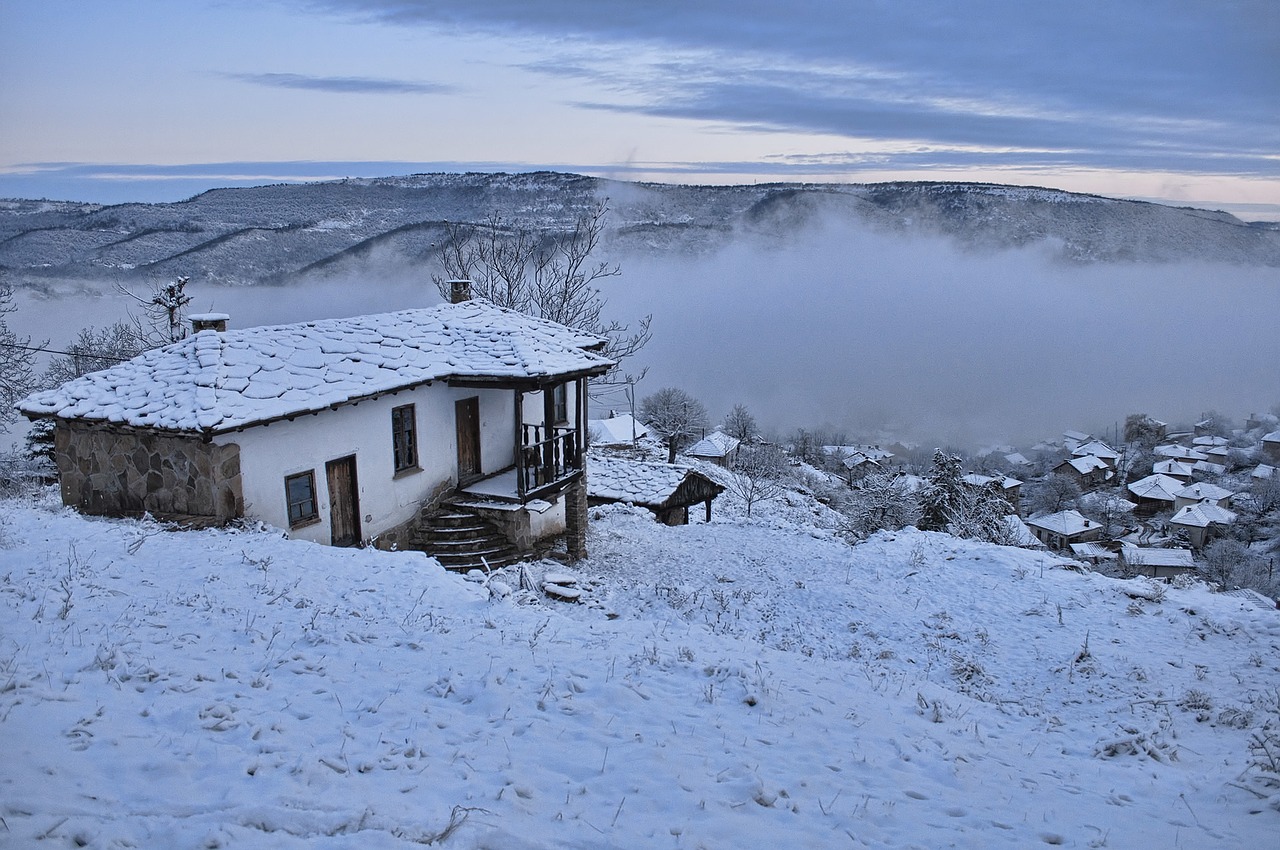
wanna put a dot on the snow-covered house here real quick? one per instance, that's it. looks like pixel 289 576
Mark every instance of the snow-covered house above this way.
pixel 1271 445
pixel 717 447
pixel 1155 493
pixel 1173 469
pixel 1087 472
pixel 1202 521
pixel 340 430
pixel 666 490
pixel 1060 530
pixel 1010 488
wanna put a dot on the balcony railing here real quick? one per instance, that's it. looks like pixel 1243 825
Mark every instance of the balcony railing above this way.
pixel 547 457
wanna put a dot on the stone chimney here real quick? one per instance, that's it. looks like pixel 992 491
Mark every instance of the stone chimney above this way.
pixel 459 291
pixel 208 322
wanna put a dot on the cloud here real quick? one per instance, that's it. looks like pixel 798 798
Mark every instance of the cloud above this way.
pixel 342 85
pixel 1115 85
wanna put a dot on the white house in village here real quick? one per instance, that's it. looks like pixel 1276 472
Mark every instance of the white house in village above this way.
pixel 340 431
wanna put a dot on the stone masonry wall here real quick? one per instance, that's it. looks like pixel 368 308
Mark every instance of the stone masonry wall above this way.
pixel 112 472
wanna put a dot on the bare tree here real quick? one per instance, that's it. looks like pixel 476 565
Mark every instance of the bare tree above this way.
pixel 740 424
pixel 1054 493
pixel 548 275
pixel 675 416
pixel 95 349
pixel 759 474
pixel 882 500
pixel 17 376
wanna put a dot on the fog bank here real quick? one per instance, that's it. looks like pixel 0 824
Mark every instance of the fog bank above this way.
pixel 869 334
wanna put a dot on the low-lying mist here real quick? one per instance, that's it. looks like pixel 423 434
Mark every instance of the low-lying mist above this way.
pixel 887 336
pixel 872 335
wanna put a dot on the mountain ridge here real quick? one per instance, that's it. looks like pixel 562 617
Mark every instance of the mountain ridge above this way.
pixel 278 233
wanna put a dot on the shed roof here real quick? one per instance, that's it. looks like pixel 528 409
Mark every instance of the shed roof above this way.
pixel 1204 490
pixel 651 485
pixel 715 444
pixel 215 382
pixel 1150 557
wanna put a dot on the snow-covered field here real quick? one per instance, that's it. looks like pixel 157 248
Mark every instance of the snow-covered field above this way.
pixel 724 685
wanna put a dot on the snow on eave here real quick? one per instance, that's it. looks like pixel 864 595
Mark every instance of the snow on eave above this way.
pixel 218 382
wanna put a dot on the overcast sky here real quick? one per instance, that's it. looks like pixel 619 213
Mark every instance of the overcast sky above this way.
pixel 157 100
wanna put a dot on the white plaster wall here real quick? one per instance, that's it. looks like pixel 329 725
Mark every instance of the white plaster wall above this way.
pixel 268 453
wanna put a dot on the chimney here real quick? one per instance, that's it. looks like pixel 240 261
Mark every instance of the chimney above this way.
pixel 208 322
pixel 459 291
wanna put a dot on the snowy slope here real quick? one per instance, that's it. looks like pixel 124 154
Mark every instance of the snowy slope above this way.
pixel 726 685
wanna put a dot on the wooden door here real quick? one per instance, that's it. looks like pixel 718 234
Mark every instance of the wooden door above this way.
pixel 344 501
pixel 467 413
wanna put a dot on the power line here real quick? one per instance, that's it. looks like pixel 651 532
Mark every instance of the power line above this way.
pixel 66 353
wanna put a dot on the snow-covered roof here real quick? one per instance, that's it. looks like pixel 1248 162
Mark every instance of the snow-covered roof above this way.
pixel 1151 557
pixel 1096 448
pixel 647 484
pixel 1077 436
pixel 1273 437
pixel 1179 452
pixel 1066 523
pixel 1085 465
pixel 1204 490
pixel 1202 515
pixel 1263 470
pixel 616 430
pixel 977 480
pixel 1160 487
pixel 1092 550
pixel 1172 467
pixel 1017 459
pixel 1209 468
pixel 715 444
pixel 215 382
pixel 1208 440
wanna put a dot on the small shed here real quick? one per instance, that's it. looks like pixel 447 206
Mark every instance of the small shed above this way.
pixel 1156 563
pixel 665 489
pixel 717 447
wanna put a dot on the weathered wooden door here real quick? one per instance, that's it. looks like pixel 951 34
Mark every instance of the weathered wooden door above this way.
pixel 467 413
pixel 344 501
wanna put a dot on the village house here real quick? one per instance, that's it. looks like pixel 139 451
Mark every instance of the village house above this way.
pixel 1010 488
pixel 1182 453
pixel 619 429
pixel 1058 531
pixel 1088 472
pixel 1201 522
pixel 1155 493
pixel 668 491
pixel 1271 445
pixel 341 431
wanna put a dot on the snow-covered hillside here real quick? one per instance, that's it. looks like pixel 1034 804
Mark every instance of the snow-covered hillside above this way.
pixel 732 684
pixel 366 228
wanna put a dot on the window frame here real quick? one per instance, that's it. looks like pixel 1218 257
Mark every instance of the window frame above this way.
pixel 560 403
pixel 404 438
pixel 295 509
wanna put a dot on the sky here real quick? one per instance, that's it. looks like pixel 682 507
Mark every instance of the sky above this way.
pixel 145 100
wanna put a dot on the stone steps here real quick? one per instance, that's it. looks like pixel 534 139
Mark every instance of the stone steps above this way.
pixel 462 541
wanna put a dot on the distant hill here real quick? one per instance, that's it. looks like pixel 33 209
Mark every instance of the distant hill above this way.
pixel 275 234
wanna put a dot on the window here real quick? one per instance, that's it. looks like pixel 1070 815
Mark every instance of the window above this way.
pixel 300 493
pixel 560 400
pixel 404 438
